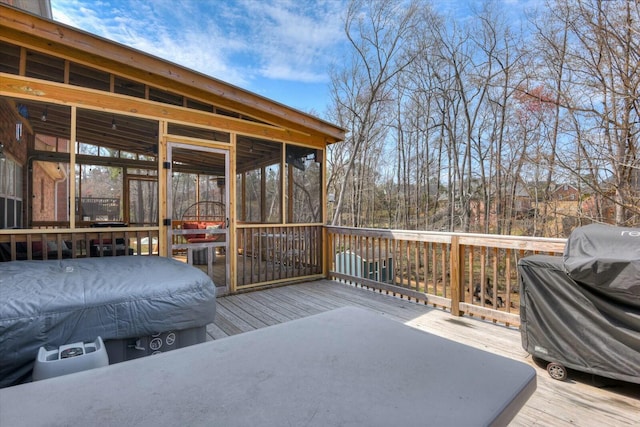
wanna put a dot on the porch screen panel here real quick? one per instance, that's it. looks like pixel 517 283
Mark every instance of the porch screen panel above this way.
pixel 50 191
pixel 45 67
pixel 273 212
pixel 10 189
pixel 98 193
pixel 3 179
pixel 211 188
pixel 18 221
pixel 11 213
pixel 10 58
pixel 199 133
pixel 304 195
pixel 259 180
pixel 143 202
pixel 10 194
pixel 184 192
pixel 249 196
pixel 108 147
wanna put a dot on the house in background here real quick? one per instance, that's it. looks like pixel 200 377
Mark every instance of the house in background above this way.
pixel 37 7
pixel 566 192
pixel 110 151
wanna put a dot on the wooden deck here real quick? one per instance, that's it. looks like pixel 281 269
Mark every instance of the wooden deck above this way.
pixel 583 400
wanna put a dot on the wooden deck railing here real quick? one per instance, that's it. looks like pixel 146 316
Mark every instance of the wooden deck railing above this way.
pixel 271 254
pixel 470 274
pixel 49 243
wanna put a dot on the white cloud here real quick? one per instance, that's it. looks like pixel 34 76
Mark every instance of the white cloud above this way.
pixel 297 39
pixel 237 42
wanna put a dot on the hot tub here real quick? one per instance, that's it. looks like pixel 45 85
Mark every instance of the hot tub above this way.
pixel 139 305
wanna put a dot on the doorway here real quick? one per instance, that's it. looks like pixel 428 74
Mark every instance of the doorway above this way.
pixel 198 204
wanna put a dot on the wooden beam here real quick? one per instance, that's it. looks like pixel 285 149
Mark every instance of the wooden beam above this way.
pixel 456 273
pixel 72 163
pixel 164 248
pixel 22 87
pixel 231 202
pixel 263 194
pixel 84 159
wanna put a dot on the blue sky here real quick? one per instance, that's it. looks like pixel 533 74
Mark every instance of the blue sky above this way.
pixel 280 49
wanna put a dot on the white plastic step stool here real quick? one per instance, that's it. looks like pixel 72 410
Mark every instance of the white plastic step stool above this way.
pixel 69 358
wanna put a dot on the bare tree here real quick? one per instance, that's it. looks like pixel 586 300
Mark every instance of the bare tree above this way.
pixel 481 111
pixel 603 57
pixel 376 30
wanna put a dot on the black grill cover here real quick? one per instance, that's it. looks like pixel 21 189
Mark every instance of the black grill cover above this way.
pixel 607 259
pixel 576 325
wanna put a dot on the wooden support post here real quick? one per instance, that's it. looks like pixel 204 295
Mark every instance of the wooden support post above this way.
pixel 328 251
pixel 456 268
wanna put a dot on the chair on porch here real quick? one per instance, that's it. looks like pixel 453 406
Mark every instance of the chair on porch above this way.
pixel 207 216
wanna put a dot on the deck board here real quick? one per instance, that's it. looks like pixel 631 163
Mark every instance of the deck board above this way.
pixel 237 318
pixel 252 311
pixel 254 300
pixel 284 305
pixel 584 400
pixel 215 332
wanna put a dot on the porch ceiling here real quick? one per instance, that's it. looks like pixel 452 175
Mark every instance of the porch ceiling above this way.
pixel 140 136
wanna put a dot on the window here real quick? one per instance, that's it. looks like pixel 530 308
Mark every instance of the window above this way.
pixel 10 194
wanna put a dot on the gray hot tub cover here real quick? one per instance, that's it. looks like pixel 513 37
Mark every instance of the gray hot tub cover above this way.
pixel 52 303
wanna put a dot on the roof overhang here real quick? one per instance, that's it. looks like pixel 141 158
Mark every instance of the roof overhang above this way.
pixel 52 37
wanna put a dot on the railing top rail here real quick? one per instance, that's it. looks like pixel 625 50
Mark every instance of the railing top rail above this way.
pixel 250 225
pixel 23 231
pixel 471 239
pixel 513 242
pixel 427 236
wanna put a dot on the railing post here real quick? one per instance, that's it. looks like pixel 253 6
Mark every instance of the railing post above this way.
pixel 455 273
pixel 325 248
